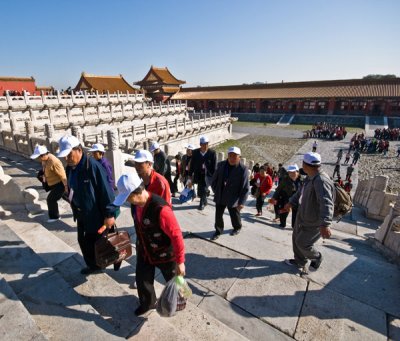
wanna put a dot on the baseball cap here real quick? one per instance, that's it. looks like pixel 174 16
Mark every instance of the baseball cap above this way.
pixel 312 159
pixel 235 150
pixel 126 184
pixel 143 156
pixel 204 139
pixel 190 146
pixel 154 146
pixel 97 147
pixel 293 168
pixel 66 144
pixel 39 150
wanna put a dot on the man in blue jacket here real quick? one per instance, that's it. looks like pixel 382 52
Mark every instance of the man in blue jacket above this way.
pixel 230 184
pixel 90 196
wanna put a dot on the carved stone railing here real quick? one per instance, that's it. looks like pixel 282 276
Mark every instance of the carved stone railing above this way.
pixel 372 195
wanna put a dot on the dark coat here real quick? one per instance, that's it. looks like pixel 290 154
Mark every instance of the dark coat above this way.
pixel 236 189
pixel 92 199
pixel 196 164
pixel 160 163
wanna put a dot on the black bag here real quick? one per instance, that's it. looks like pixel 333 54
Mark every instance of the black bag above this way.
pixel 112 248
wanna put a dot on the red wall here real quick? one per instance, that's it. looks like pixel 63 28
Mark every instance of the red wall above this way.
pixel 17 86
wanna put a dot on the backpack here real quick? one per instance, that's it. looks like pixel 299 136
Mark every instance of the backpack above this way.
pixel 343 202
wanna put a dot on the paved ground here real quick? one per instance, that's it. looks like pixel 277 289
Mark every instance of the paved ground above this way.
pixel 242 289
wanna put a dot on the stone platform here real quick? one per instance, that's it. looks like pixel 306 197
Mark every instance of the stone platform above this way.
pixel 242 289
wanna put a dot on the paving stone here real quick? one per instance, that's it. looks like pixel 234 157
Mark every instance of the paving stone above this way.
pixel 211 266
pixel 328 315
pixel 240 320
pixel 267 291
pixel 19 265
pixel 44 243
pixel 154 327
pixel 59 311
pixel 370 280
pixel 200 326
pixel 15 321
pixel 394 328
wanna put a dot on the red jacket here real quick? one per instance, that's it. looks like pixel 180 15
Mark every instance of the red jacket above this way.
pixel 265 183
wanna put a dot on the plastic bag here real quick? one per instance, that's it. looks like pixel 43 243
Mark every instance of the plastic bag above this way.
pixel 173 297
pixel 186 195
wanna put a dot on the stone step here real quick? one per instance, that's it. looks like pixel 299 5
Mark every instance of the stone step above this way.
pixel 15 321
pixel 108 292
pixel 54 306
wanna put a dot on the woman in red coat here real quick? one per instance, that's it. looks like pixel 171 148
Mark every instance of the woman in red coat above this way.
pixel 263 184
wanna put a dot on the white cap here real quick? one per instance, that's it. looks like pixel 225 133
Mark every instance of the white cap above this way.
pixel 312 159
pixel 143 156
pixel 190 146
pixel 235 150
pixel 66 144
pixel 293 168
pixel 39 150
pixel 204 139
pixel 126 184
pixel 154 146
pixel 97 147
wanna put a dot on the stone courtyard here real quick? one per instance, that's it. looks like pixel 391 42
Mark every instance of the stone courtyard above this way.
pixel 242 290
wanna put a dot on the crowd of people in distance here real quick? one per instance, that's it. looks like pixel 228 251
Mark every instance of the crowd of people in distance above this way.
pixel 362 144
pixel 327 131
pixel 392 134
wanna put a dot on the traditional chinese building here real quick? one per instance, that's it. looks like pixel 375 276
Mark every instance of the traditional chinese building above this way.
pixel 160 84
pixel 112 84
pixel 350 97
pixel 17 85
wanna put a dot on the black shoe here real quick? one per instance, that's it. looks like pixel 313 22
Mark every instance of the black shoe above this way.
pixel 215 236
pixel 235 232
pixel 88 271
pixel 200 208
pixel 141 310
pixel 282 226
pixel 316 263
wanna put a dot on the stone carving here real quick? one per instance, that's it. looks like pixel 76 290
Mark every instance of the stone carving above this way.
pixel 113 140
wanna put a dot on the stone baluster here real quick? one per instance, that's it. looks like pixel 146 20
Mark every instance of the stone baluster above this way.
pixel 244 160
pixel 9 99
pixel 220 156
pixel 103 136
pixel 29 129
pixel 76 131
pixel 167 127
pixel 97 97
pixel 84 114
pixel 184 123
pixel 145 130
pixel 49 131
pixel 14 125
pixel 50 114
pixel 69 115
pixel 176 125
pixel 112 139
pixel 157 128
pixel 43 98
pixel 133 133
pixel 126 145
pixel 32 115
pixel 26 99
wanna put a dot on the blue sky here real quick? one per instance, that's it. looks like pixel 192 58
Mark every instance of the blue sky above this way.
pixel 205 42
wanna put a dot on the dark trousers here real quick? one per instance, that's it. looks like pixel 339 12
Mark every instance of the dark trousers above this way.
pixel 303 240
pixel 219 220
pixel 86 243
pixel 276 210
pixel 336 172
pixel 145 279
pixel 202 190
pixel 55 194
pixel 294 213
pixel 259 203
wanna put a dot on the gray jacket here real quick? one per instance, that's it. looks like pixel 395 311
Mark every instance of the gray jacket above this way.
pixel 233 191
pixel 314 202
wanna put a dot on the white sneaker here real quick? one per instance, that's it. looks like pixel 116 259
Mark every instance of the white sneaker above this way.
pixel 49 221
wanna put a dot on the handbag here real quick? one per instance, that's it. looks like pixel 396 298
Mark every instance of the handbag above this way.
pixel 112 248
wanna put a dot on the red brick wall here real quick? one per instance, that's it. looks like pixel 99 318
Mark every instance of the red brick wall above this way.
pixel 17 86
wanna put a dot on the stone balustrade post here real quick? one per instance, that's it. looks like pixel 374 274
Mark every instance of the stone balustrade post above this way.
pixel 244 160
pixel 133 133
pixel 29 128
pixel 9 99
pixel 76 131
pixel 103 136
pixel 176 125
pixel 112 140
pixel 69 115
pixel 251 164
pixel 49 131
pixel 26 99
pixel 32 115
pixel 114 154
pixel 220 156
pixel 184 123
pixel 126 145
pixel 145 130
pixel 14 125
